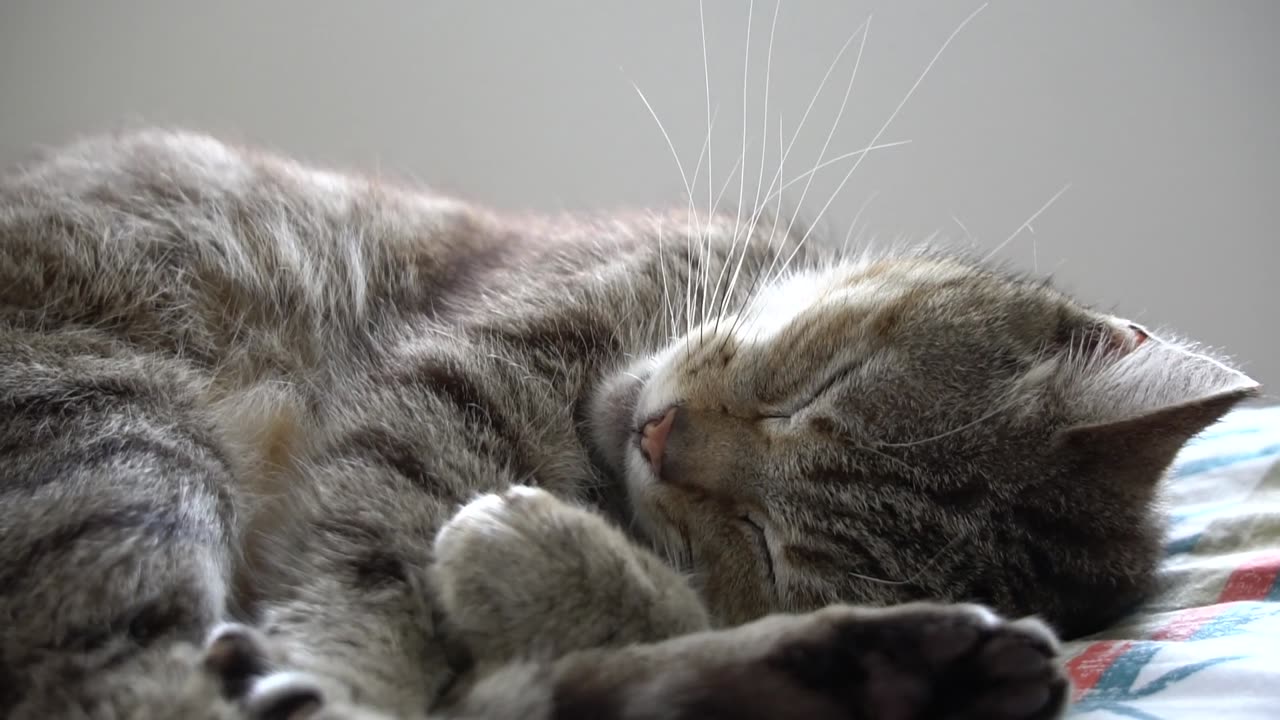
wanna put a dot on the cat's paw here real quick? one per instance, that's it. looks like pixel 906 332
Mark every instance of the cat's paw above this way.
pixel 923 661
pixel 246 667
pixel 241 660
pixel 914 662
pixel 286 696
pixel 236 655
pixel 524 574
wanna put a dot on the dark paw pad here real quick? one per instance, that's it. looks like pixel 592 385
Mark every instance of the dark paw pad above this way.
pixel 1017 674
pixel 237 655
pixel 929 661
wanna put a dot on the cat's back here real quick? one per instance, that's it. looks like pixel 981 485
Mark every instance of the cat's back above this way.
pixel 181 242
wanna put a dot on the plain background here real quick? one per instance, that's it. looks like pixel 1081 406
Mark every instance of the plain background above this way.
pixel 1163 117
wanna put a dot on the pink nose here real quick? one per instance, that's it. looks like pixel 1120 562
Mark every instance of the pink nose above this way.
pixel 653 438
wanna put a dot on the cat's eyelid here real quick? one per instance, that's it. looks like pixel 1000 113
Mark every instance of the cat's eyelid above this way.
pixel 831 379
pixel 752 521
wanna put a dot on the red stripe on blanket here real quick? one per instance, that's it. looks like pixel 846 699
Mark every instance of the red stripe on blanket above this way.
pixel 1088 666
pixel 1253 579
pixel 1186 623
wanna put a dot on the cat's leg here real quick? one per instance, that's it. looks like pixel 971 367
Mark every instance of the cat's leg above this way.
pixel 523 575
pixel 343 580
pixel 356 615
pixel 118 518
pixel 346 604
pixel 912 662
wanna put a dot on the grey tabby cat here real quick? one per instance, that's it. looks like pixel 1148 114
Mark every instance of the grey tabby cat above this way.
pixel 281 443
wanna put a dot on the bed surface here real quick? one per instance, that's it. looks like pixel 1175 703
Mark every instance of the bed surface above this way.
pixel 1207 645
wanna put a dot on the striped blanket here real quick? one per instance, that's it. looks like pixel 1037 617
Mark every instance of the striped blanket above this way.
pixel 1208 644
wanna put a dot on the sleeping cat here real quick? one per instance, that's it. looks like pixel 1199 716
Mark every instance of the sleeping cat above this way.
pixel 277 442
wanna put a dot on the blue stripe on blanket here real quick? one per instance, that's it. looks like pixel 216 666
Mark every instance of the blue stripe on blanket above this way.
pixel 1202 465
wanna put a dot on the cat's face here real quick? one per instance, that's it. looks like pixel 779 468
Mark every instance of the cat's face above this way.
pixel 903 428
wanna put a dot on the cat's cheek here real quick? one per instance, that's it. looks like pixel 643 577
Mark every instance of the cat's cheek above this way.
pixel 650 513
pixel 730 574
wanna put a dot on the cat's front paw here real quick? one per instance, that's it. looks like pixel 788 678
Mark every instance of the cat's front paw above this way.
pixel 914 662
pixel 247 669
pixel 241 660
pixel 524 574
pixel 926 661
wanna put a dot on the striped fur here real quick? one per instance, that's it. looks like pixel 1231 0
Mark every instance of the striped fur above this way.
pixel 236 388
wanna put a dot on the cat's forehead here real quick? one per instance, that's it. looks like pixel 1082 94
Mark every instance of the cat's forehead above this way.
pixel 887 298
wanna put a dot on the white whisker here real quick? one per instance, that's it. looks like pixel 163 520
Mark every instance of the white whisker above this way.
pixel 737 166
pixel 670 146
pixel 702 154
pixel 881 131
pixel 968 236
pixel 689 234
pixel 844 102
pixel 666 292
pixel 1027 225
pixel 764 148
pixel 994 412
pixel 844 249
pixel 777 176
pixel 742 176
pixel 706 80
pixel 833 161
pixel 916 575
pixel 773 229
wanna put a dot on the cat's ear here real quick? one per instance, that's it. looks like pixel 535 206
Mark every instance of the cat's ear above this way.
pixel 1133 415
pixel 1145 445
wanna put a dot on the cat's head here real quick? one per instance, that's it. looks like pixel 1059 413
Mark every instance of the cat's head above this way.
pixel 910 427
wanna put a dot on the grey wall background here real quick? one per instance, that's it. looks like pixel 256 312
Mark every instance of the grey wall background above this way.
pixel 1164 117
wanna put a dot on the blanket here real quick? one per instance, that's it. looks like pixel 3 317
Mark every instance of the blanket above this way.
pixel 1207 645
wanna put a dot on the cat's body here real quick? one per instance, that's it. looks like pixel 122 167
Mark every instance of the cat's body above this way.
pixel 235 388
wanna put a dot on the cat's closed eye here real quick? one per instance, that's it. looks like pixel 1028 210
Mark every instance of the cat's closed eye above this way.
pixel 756 528
pixel 823 384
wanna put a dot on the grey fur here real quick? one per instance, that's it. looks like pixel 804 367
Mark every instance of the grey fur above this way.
pixel 236 388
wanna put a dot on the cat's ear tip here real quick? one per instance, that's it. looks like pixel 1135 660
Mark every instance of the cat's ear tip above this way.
pixel 1244 388
pixel 1252 387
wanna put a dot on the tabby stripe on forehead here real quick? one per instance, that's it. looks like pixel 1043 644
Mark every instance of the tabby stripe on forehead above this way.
pixel 156 522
